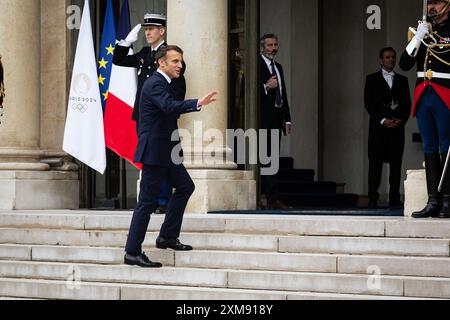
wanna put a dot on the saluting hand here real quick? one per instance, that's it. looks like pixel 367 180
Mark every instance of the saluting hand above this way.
pixel 208 99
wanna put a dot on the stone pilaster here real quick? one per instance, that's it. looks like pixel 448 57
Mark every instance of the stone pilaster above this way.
pixel 20 39
pixel 416 194
pixel 200 28
pixel 26 181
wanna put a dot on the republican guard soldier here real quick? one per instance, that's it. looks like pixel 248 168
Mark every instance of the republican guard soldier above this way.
pixel 429 49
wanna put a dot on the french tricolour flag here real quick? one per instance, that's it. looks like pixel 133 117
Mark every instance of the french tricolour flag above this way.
pixel 120 129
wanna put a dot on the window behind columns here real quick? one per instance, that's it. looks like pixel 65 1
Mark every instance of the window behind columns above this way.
pixel 237 56
pixel 243 64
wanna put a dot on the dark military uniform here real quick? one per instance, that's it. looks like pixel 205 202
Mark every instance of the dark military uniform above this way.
pixel 144 62
pixel 432 110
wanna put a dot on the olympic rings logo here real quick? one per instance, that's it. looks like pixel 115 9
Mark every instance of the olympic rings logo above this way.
pixel 80 107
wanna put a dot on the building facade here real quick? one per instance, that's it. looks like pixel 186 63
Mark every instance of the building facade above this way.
pixel 327 49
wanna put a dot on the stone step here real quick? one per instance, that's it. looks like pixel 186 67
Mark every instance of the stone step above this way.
pixel 50 289
pixel 15 299
pixel 238 242
pixel 340 283
pixel 261 224
pixel 377 246
pixel 77 274
pixel 324 263
pixel 118 239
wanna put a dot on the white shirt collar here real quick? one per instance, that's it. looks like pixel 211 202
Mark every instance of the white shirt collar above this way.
pixel 387 73
pixel 165 76
pixel 267 60
pixel 159 46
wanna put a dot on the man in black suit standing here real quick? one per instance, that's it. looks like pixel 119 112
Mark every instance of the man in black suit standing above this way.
pixel 144 61
pixel 2 88
pixel 274 111
pixel 387 99
pixel 158 140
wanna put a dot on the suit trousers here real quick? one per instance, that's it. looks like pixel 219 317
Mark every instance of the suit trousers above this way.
pixel 269 183
pixel 433 118
pixel 151 182
pixel 395 175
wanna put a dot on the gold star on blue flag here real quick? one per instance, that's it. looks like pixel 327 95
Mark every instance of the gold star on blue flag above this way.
pixel 106 53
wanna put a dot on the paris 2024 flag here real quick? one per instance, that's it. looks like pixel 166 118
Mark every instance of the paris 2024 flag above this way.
pixel 84 136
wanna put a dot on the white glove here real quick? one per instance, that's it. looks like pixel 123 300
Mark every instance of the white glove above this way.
pixel 422 30
pixel 132 37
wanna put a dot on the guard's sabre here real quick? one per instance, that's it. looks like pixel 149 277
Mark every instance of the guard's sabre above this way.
pixel 425 11
pixel 444 171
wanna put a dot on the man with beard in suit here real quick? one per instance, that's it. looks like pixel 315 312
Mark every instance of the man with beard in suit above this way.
pixel 274 112
pixel 387 99
pixel 2 88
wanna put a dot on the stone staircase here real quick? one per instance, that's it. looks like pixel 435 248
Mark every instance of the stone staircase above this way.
pixel 79 255
pixel 297 188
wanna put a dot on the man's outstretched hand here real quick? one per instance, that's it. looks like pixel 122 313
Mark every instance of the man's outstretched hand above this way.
pixel 208 99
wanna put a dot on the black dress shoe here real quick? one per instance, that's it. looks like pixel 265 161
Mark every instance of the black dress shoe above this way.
pixel 141 260
pixel 373 205
pixel 445 209
pixel 444 215
pixel 174 244
pixel 278 205
pixel 396 205
pixel 430 211
pixel 161 210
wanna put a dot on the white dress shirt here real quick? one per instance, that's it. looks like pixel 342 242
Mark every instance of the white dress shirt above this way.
pixel 158 46
pixel 170 81
pixel 389 77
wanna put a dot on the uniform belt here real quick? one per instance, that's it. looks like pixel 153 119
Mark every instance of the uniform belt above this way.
pixel 431 74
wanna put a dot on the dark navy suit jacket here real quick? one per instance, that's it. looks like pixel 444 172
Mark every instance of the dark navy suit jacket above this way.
pixel 159 113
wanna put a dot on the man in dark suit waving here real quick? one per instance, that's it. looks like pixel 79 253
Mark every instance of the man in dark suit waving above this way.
pixel 158 138
pixel 387 99
pixel 274 111
pixel 144 61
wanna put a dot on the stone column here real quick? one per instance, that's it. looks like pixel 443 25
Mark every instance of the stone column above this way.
pixel 56 52
pixel 20 39
pixel 200 28
pixel 25 181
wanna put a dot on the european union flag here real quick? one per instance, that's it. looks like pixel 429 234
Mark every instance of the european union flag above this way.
pixel 106 52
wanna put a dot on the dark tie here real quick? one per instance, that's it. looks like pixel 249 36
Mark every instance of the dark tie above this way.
pixel 153 55
pixel 278 98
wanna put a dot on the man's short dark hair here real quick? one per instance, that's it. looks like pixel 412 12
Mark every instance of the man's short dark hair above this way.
pixel 162 52
pixel 263 39
pixel 387 49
